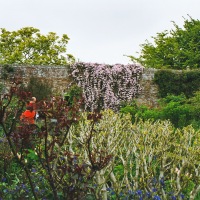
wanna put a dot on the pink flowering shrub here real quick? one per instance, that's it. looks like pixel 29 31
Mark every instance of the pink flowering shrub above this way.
pixel 105 86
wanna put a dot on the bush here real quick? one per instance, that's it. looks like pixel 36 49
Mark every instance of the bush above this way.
pixel 42 89
pixel 146 157
pixel 178 109
pixel 177 82
pixel 74 93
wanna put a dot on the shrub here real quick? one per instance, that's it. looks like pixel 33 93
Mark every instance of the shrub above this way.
pixel 147 156
pixel 177 109
pixel 42 89
pixel 177 82
pixel 74 93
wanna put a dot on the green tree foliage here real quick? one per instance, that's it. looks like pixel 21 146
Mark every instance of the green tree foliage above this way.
pixel 170 82
pixel 42 89
pixel 177 48
pixel 28 46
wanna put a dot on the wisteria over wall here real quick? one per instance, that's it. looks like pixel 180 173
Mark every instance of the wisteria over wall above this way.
pixel 105 86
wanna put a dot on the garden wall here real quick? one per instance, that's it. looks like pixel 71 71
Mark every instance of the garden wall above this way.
pixel 58 75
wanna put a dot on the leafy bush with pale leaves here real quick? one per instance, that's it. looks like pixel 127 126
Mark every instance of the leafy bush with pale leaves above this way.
pixel 149 156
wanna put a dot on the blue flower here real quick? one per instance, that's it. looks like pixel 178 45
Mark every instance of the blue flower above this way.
pixel 27 190
pixel 3 179
pixel 148 194
pixel 156 197
pixel 23 186
pixel 173 198
pixel 139 192
pixel 182 196
pixel 121 194
pixel 112 193
pixel 162 182
pixel 62 158
pixel 34 170
pixel 154 190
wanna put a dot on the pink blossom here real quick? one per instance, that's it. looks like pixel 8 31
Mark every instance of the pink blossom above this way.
pixel 107 85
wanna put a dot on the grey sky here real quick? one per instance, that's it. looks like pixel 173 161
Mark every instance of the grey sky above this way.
pixel 100 31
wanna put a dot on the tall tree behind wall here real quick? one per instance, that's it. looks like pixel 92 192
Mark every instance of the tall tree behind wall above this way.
pixel 29 46
pixel 178 48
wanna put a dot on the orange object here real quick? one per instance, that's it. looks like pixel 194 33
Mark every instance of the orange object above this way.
pixel 28 117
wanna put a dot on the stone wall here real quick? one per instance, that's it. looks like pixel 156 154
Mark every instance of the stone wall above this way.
pixel 58 76
pixel 149 93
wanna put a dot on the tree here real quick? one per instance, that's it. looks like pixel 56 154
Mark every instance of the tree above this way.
pixel 177 48
pixel 42 89
pixel 29 46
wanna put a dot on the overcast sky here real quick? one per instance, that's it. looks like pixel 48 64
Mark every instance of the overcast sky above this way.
pixel 101 31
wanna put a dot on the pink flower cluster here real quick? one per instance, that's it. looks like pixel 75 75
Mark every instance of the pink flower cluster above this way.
pixel 105 86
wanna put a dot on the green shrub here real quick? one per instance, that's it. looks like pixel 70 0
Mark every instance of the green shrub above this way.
pixel 177 82
pixel 74 93
pixel 178 109
pixel 178 114
pixel 41 89
pixel 7 71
